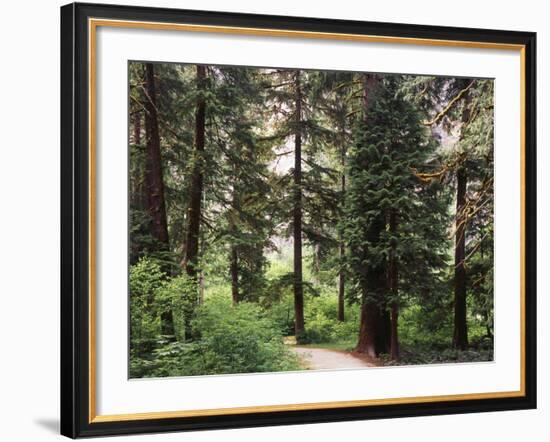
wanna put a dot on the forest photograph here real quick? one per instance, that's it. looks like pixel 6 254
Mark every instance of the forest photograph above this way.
pixel 292 219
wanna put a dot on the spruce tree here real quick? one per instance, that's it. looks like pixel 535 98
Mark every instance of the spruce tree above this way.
pixel 391 235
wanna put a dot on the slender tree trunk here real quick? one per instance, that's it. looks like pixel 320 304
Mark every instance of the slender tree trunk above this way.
pixel 342 249
pixel 154 177
pixel 393 280
pixel 196 185
pixel 138 188
pixel 234 270
pixel 299 326
pixel 137 128
pixel 394 345
pixel 460 334
pixel 141 196
pixel 201 277
pixel 201 287
pixel 155 185
pixel 341 285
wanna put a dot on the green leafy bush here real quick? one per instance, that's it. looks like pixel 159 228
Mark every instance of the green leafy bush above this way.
pixel 227 339
pixel 155 298
pixel 322 325
pixel 179 295
pixel 145 279
pixel 240 339
pixel 282 315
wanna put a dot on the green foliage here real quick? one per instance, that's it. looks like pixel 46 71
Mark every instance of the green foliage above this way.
pixel 152 296
pixel 424 334
pixel 358 169
pixel 146 278
pixel 425 325
pixel 282 313
pixel 322 323
pixel 230 339
pixel 179 296
pixel 382 164
pixel 240 339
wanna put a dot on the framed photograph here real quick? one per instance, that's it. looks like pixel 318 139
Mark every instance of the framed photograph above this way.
pixel 274 220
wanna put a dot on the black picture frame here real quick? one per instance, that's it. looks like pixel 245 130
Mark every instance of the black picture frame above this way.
pixel 75 219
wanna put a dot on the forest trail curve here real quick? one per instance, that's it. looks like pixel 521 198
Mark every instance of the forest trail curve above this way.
pixel 325 359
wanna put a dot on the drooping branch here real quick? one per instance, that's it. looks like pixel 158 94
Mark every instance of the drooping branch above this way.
pixel 449 167
pixel 449 106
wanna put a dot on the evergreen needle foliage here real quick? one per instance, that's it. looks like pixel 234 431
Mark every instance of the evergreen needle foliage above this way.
pixel 341 210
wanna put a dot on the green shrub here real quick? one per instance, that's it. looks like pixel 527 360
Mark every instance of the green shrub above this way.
pixel 180 296
pixel 346 331
pixel 240 339
pixel 322 325
pixel 152 295
pixel 227 339
pixel 318 329
pixel 145 279
pixel 282 315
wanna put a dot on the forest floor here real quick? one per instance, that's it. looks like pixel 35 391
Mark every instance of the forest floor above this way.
pixel 323 359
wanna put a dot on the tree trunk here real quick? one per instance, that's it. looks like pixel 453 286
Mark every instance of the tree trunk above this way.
pixel 342 248
pixel 234 270
pixel 139 194
pixel 167 325
pixel 201 287
pixel 383 331
pixel 374 329
pixel 373 322
pixel 394 344
pixel 154 178
pixel 137 128
pixel 368 328
pixel 299 326
pixel 341 285
pixel 393 280
pixel 460 334
pixel 196 184
pixel 155 185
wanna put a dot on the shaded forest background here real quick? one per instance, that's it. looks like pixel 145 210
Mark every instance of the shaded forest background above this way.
pixel 350 211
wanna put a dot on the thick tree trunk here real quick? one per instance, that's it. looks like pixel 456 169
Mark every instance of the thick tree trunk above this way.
pixel 368 328
pixel 374 321
pixel 155 185
pixel 393 280
pixel 234 270
pixel 460 334
pixel 196 184
pixel 342 249
pixel 299 326
pixel 374 329
pixel 154 179
pixel 383 331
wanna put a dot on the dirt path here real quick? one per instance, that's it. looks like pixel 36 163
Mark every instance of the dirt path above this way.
pixel 321 358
